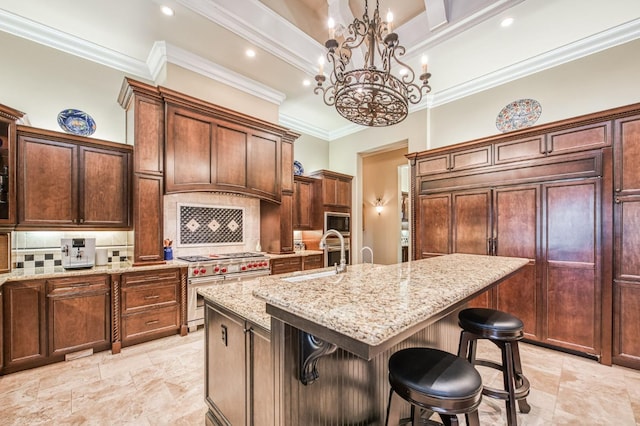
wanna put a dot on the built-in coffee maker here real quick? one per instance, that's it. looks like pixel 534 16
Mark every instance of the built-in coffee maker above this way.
pixel 78 252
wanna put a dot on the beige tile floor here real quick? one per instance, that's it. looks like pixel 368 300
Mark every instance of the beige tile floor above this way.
pixel 161 383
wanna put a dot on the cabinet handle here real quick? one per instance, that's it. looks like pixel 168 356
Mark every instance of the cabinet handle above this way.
pixel 617 200
pixel 618 189
pixel 81 220
pixel 155 296
pixel 152 322
pixel 489 246
pixel 495 247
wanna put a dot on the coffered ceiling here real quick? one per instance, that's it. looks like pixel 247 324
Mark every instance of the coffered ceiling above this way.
pixel 468 49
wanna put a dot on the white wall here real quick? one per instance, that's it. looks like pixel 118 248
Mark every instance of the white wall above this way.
pixel 312 152
pixel 601 81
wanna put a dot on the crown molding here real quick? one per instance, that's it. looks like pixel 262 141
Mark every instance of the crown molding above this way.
pixel 593 44
pixel 47 36
pixel 255 22
pixel 163 52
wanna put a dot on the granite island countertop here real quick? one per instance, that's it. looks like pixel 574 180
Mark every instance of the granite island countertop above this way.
pixel 372 307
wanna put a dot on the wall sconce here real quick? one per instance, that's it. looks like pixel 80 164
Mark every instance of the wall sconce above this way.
pixel 379 206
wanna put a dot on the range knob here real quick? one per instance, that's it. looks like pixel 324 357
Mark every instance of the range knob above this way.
pixel 243 267
pixel 223 270
pixel 203 270
pixel 195 271
pixel 216 269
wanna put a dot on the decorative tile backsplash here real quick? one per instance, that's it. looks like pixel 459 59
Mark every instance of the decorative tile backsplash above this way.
pixel 210 225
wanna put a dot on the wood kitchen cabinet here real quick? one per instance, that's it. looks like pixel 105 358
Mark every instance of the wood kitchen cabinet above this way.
pixel 626 261
pixel 335 189
pixel 24 325
pixel 304 210
pixel 151 305
pixel 79 314
pixel 284 265
pixel 455 161
pixel 213 149
pixel 276 225
pixel 67 181
pixel 145 131
pixel 9 118
pixel 312 261
pixel 239 374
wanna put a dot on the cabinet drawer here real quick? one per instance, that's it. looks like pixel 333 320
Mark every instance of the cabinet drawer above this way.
pixel 136 298
pixel 520 149
pixel 73 286
pixel 579 139
pixel 284 265
pixel 150 277
pixel 312 262
pixel 150 322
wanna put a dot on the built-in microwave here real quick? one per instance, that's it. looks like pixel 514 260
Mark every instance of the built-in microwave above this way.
pixel 341 222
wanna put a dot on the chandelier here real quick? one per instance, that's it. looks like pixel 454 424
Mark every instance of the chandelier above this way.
pixel 370 95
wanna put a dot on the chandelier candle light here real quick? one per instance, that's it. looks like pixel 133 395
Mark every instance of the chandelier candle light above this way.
pixel 370 95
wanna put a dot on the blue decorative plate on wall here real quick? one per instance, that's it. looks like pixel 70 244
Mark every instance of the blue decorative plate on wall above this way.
pixel 76 122
pixel 297 168
pixel 518 115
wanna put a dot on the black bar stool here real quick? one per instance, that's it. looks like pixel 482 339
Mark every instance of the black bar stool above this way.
pixel 435 381
pixel 504 330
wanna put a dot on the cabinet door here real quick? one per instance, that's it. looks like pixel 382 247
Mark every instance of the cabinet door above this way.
pixel 329 191
pixel 104 187
pixel 25 343
pixel 47 182
pixel 627 156
pixel 572 288
pixel 343 193
pixel 230 156
pixel 189 157
pixel 261 377
pixel 472 230
pixel 433 230
pixel 516 214
pixel 226 372
pixel 303 205
pixel 286 223
pixel 147 218
pixel 287 165
pixel 263 165
pixel 312 262
pixel 626 324
pixel 79 311
pixel 592 136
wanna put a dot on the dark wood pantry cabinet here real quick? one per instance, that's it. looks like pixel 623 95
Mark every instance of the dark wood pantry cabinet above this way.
pixel 67 181
pixel 546 193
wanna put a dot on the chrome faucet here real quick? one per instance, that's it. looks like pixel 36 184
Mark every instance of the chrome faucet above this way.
pixel 323 244
pixel 370 251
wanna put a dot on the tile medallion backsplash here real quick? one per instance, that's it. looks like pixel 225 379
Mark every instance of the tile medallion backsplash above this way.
pixel 210 225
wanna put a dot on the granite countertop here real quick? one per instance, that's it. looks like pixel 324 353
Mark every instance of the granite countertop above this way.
pixel 372 306
pixel 22 274
pixel 238 298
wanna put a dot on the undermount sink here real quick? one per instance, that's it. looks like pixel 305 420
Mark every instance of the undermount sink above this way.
pixel 311 276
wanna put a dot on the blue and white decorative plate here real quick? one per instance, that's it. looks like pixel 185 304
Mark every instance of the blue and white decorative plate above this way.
pixel 76 122
pixel 297 168
pixel 518 115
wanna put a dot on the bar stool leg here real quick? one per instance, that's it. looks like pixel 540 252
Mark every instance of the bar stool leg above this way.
pixel 523 405
pixel 473 419
pixel 393 413
pixel 509 384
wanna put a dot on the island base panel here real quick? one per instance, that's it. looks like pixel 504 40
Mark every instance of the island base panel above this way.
pixel 350 389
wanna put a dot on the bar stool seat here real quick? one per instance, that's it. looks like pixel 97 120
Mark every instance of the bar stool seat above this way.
pixel 504 330
pixel 435 381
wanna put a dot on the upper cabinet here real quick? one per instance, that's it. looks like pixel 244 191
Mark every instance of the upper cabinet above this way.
pixel 209 148
pixel 335 189
pixel 8 119
pixel 303 203
pixel 67 181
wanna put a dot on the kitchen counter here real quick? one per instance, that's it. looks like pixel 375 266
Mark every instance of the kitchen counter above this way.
pixel 300 253
pixel 22 274
pixel 238 298
pixel 371 307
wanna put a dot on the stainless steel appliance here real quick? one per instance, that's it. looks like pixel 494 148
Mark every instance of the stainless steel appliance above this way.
pixel 78 252
pixel 332 251
pixel 341 222
pixel 215 269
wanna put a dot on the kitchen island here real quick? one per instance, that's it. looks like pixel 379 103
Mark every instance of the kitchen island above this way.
pixel 291 349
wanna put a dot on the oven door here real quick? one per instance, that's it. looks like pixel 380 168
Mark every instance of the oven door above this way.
pixel 195 302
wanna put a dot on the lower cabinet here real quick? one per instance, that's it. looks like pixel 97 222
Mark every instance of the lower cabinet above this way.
pixel 24 325
pixel 313 261
pixel 150 303
pixel 284 265
pixel 239 377
pixel 79 314
pixel 626 325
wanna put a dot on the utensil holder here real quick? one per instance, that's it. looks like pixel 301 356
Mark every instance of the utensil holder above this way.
pixel 168 253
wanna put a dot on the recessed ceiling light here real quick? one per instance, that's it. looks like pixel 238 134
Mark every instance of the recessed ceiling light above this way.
pixel 167 10
pixel 250 53
pixel 506 22
pixel 306 82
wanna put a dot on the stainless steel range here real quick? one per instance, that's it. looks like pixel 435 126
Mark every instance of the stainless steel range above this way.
pixel 217 269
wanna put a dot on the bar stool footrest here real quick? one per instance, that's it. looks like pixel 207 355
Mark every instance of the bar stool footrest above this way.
pixel 520 392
